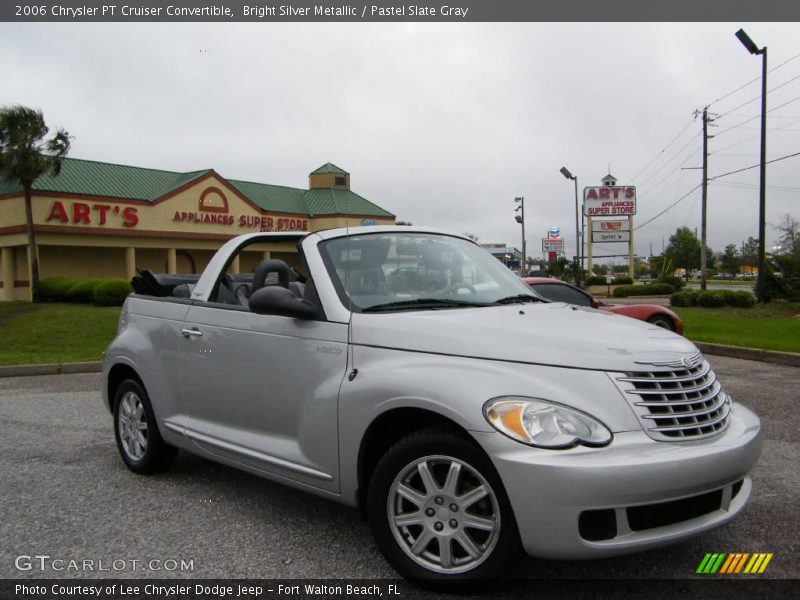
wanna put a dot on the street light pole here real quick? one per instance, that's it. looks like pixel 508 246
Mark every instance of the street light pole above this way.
pixel 762 188
pixel 521 220
pixel 578 223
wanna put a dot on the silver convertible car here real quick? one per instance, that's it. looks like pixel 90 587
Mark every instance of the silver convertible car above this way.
pixel 407 372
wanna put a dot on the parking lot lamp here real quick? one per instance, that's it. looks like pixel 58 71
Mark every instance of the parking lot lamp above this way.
pixel 762 200
pixel 578 259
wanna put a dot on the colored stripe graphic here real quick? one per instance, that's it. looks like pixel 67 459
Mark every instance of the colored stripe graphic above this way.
pixel 765 563
pixel 702 567
pixel 740 564
pixel 758 563
pixel 716 565
pixel 711 562
pixel 728 562
pixel 734 563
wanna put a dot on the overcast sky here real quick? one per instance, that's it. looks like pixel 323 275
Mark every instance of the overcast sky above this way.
pixel 442 124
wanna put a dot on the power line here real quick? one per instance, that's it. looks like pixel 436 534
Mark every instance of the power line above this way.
pixel 756 165
pixel 686 195
pixel 757 117
pixel 678 168
pixel 740 142
pixel 744 85
pixel 742 184
pixel 774 116
pixel 664 149
pixel 673 157
pixel 777 87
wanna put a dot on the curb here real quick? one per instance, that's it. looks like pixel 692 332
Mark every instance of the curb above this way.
pixel 791 359
pixel 51 369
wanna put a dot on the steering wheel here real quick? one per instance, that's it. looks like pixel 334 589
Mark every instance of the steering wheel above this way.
pixel 454 287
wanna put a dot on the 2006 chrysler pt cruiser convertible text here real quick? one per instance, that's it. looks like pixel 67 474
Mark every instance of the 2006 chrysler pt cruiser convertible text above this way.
pixel 408 372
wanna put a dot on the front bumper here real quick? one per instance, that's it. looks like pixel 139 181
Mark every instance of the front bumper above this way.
pixel 550 489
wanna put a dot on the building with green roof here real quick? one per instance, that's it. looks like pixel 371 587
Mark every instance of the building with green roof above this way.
pixel 99 219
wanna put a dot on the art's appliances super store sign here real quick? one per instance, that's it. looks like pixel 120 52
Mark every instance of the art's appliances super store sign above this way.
pixel 609 201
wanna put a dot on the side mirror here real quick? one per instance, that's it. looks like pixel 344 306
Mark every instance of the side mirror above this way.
pixel 596 303
pixel 276 300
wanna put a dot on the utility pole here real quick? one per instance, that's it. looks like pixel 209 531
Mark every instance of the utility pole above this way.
pixel 703 265
pixel 521 220
pixel 704 204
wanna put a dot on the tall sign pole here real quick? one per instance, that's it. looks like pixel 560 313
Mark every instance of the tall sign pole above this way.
pixel 703 265
pixel 631 270
pixel 589 243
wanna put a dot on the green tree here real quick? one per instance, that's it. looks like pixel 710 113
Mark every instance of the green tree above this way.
pixel 599 269
pixel 750 252
pixel 729 259
pixel 24 156
pixel 789 241
pixel 558 268
pixel 657 266
pixel 684 250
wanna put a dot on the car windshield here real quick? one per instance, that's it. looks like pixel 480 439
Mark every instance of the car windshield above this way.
pixel 418 271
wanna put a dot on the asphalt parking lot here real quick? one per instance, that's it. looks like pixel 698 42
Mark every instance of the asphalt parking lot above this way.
pixel 65 493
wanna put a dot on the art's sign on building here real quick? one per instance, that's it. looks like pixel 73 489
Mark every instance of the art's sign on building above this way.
pixel 213 208
pixel 210 207
pixel 85 213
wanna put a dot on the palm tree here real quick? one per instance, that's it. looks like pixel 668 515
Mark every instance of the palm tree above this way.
pixel 25 156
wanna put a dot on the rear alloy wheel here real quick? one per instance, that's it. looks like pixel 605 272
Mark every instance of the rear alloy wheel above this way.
pixel 662 321
pixel 439 512
pixel 138 440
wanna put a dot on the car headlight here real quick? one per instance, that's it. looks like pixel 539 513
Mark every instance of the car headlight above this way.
pixel 544 424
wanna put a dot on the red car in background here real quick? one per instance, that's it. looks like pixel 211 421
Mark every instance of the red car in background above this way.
pixel 556 290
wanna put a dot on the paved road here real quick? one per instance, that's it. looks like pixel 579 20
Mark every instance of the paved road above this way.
pixel 66 493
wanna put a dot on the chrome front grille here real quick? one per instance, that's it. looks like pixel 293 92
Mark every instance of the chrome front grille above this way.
pixel 684 404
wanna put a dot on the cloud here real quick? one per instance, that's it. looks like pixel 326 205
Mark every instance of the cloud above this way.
pixel 443 124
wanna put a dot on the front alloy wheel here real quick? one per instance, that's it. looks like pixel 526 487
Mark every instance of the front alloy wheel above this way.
pixel 439 513
pixel 443 514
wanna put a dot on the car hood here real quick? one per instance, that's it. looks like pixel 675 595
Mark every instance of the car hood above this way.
pixel 554 334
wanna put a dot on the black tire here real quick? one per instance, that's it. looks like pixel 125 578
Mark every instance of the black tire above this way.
pixel 156 455
pixel 502 546
pixel 662 321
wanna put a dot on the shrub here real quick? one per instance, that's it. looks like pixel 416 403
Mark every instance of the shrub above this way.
pixel 112 292
pixel 684 298
pixel 654 289
pixel 672 280
pixel 595 280
pixel 728 296
pixel 54 289
pixel 711 299
pixel 623 281
pixel 743 299
pixel 82 291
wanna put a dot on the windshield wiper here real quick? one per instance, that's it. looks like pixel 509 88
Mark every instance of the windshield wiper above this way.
pixel 423 303
pixel 518 298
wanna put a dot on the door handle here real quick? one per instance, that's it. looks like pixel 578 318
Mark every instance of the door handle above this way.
pixel 191 332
